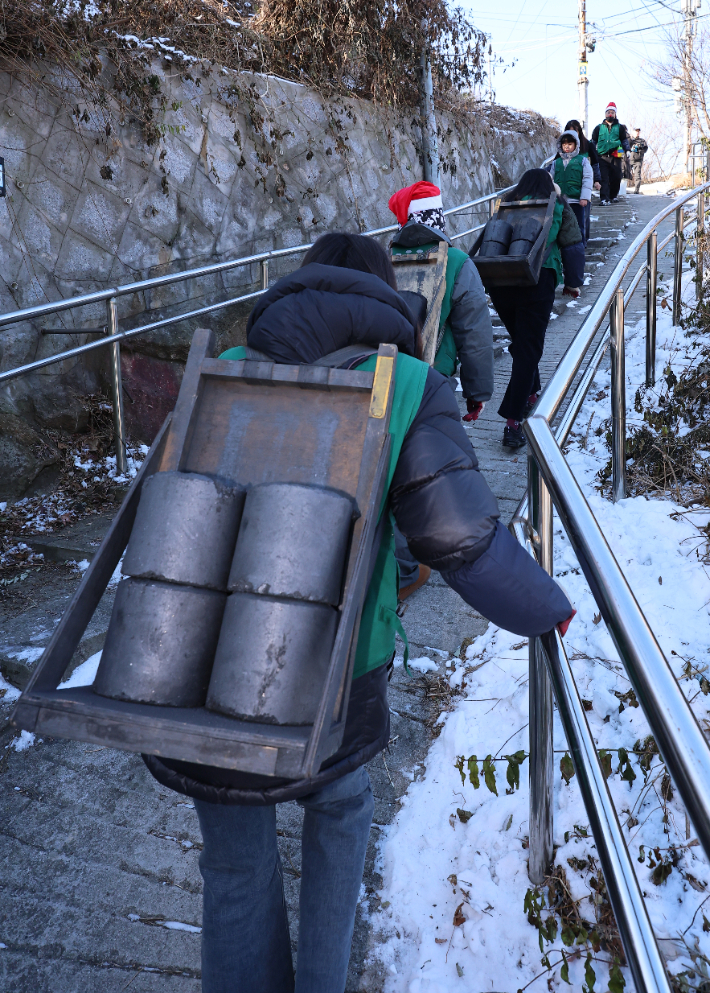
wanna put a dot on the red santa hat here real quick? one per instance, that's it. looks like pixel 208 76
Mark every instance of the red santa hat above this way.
pixel 410 200
pixel 610 106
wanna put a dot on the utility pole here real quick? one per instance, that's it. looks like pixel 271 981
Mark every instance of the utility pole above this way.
pixel 582 78
pixel 490 72
pixel 430 142
pixel 689 9
pixel 586 44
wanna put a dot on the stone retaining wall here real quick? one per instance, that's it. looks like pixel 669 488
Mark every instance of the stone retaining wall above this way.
pixel 246 163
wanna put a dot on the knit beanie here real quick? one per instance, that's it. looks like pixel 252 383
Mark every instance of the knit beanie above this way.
pixel 420 202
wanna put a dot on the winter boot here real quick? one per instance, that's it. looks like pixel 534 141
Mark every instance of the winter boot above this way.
pixel 529 405
pixel 513 436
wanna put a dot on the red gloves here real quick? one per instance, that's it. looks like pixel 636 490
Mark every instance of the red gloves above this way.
pixel 563 625
pixel 474 408
pixel 571 291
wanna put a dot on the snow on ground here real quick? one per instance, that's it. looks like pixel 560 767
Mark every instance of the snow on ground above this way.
pixel 454 862
pixel 84 674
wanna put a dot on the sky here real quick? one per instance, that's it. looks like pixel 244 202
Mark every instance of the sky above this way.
pixel 537 40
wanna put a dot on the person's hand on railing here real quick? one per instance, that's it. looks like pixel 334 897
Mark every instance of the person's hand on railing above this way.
pixel 571 291
pixel 563 625
pixel 474 408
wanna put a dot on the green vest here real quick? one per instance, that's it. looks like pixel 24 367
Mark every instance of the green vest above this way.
pixel 569 180
pixel 609 139
pixel 445 360
pixel 380 622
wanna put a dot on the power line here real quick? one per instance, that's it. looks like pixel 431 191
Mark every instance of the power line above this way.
pixel 652 27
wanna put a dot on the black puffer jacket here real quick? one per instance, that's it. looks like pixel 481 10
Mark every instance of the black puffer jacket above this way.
pixel 440 501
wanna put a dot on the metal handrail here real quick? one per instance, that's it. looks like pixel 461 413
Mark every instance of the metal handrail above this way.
pixel 631 914
pixel 109 296
pixel 680 741
pixel 556 390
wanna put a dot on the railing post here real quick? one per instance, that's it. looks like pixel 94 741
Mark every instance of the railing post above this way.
pixel 678 265
pixel 699 246
pixel 540 696
pixel 651 295
pixel 265 274
pixel 119 432
pixel 618 398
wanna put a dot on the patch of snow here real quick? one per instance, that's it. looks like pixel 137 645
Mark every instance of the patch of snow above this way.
pixel 25 740
pixel 453 886
pixel 84 674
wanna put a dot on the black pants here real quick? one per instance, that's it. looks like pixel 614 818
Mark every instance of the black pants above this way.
pixel 525 311
pixel 611 178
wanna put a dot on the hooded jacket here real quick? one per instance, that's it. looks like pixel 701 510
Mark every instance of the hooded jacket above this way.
pixel 566 159
pixel 439 499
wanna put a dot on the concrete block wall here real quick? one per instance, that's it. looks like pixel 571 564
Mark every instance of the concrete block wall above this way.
pixel 246 163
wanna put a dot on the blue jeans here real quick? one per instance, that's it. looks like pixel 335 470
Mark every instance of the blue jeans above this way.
pixel 246 946
pixel 582 214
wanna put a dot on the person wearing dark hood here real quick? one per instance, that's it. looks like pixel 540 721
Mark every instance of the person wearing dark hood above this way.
pixel 336 310
pixel 611 141
pixel 572 172
pixel 525 310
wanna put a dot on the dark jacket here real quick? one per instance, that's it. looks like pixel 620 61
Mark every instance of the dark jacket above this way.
pixel 623 135
pixel 471 326
pixel 440 501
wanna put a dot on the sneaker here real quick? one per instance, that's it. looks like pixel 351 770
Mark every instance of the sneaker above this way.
pixel 604 203
pixel 513 437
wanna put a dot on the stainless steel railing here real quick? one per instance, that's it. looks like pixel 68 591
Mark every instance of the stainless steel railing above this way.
pixel 679 738
pixel 112 337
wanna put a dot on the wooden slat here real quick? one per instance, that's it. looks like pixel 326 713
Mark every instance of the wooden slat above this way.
pixel 277 373
pixel 181 426
pixel 430 281
pixel 374 463
pixel 263 432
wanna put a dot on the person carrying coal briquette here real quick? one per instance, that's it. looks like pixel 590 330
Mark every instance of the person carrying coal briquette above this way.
pixel 336 309
pixel 465 335
pixel 572 172
pixel 526 310
pixel 611 141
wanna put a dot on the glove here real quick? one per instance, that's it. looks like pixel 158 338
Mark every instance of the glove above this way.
pixel 474 408
pixel 563 625
pixel 571 291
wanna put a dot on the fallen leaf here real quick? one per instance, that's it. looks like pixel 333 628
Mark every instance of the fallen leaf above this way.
pixel 440 941
pixel 697 885
pixel 458 916
pixel 464 815
pixel 596 618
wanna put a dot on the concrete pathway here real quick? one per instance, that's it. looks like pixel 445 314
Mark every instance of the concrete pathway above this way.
pixel 99 883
